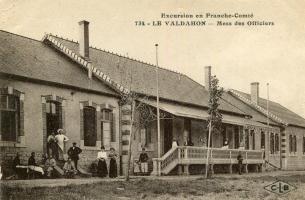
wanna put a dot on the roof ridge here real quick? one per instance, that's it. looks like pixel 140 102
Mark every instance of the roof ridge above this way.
pixel 258 97
pixel 36 40
pixel 86 64
pixel 257 107
pixel 283 107
pixel 123 56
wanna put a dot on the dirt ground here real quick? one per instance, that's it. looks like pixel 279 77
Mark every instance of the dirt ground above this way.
pixel 226 187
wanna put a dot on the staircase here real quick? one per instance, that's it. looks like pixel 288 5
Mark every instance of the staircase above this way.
pixel 59 166
pixel 270 167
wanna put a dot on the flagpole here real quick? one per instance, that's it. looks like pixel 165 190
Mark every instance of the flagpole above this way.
pixel 158 112
pixel 269 139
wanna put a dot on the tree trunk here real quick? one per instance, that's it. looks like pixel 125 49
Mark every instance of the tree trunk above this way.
pixel 130 140
pixel 208 152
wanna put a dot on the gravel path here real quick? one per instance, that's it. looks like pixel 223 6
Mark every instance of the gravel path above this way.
pixel 79 181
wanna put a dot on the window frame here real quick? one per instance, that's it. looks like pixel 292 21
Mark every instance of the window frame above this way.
pixel 276 143
pixel 16 111
pixel 95 125
pixel 111 121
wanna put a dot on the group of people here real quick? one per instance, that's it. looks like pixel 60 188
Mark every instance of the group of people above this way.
pixel 48 166
pixel 33 170
pixel 102 157
pixel 188 142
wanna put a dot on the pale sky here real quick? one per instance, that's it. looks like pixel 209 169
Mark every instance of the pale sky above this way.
pixel 238 55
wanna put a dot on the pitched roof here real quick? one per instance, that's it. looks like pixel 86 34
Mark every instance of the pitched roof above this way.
pixel 33 59
pixel 256 115
pixel 276 110
pixel 87 65
pixel 140 77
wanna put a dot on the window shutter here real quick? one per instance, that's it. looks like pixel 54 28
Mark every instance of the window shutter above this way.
pixel 106 135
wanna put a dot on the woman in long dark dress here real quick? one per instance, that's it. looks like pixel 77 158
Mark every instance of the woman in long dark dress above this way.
pixel 101 165
pixel 113 169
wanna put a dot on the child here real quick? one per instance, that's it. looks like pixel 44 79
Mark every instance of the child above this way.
pixel 143 159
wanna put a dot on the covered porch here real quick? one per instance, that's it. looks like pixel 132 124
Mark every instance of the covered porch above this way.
pixel 189 123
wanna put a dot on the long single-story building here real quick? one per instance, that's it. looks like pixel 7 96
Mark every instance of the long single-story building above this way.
pixel 58 83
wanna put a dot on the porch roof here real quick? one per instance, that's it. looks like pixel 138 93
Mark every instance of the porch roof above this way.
pixel 198 113
pixel 179 110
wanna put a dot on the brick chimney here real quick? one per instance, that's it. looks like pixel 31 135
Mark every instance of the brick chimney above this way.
pixel 255 92
pixel 207 76
pixel 84 39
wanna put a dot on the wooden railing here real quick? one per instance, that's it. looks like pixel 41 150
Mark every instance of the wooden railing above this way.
pixel 198 155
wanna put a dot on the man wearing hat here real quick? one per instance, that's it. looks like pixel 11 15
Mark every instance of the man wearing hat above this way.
pixel 73 153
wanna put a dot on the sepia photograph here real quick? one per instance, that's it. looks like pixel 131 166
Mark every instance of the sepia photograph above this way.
pixel 172 99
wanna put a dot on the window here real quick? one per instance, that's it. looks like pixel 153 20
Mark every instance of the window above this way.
pixel 9 117
pixel 108 119
pixel 277 143
pixel 90 135
pixel 262 140
pixel 294 144
pixel 51 108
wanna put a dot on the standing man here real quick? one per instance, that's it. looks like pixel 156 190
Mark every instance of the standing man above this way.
pixel 240 163
pixel 73 153
pixel 61 139
pixel 143 159
pixel 51 145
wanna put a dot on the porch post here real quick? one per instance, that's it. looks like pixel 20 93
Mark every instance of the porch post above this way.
pixel 246 166
pixel 155 167
pixel 186 170
pixel 230 167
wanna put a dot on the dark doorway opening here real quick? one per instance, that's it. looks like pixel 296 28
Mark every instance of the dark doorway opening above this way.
pixel 168 134
pixel 236 137
pixel 90 133
pixel 53 117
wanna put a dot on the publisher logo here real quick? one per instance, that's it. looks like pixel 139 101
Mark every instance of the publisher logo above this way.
pixel 279 187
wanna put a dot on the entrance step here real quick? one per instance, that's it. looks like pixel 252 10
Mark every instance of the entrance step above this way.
pixel 59 170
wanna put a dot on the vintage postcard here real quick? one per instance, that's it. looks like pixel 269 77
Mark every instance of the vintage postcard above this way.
pixel 172 99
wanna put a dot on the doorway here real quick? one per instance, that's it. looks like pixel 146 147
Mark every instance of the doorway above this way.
pixel 168 134
pixel 53 117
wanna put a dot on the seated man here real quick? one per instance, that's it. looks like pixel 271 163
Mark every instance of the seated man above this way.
pixel 69 169
pixel 49 165
pixel 19 169
pixel 34 169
